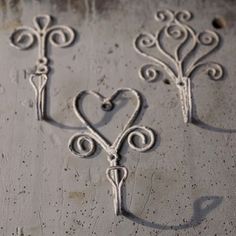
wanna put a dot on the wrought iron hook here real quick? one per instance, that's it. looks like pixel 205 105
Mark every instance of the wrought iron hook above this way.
pixel 174 63
pixel 115 173
pixel 43 33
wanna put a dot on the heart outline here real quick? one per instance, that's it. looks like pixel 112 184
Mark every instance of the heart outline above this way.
pixel 113 148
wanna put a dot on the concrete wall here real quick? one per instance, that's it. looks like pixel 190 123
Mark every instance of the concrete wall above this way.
pixel 185 185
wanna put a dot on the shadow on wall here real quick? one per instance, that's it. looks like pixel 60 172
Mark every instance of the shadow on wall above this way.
pixel 200 212
pixel 196 121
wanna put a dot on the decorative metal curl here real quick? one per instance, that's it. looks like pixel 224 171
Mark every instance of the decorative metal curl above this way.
pixel 149 73
pixel 43 33
pixel 116 174
pixel 187 45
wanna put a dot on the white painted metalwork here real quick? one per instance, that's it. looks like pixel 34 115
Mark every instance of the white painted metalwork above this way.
pixel 25 37
pixel 190 50
pixel 116 174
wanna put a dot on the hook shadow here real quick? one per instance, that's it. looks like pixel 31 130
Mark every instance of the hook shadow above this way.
pixel 47 117
pixel 198 122
pixel 199 214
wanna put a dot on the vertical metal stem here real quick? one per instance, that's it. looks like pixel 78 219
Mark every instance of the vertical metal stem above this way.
pixel 19 231
pixel 42 87
pixel 184 86
pixel 42 97
pixel 115 190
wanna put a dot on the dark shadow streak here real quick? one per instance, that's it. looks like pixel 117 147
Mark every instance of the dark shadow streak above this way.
pixel 199 214
pixel 198 122
pixel 203 125
pixel 47 117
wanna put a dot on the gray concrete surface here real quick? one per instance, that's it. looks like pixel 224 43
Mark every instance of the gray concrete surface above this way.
pixel 184 186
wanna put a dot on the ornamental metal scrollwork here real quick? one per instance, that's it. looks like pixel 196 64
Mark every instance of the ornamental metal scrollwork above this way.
pixel 115 173
pixel 187 57
pixel 43 33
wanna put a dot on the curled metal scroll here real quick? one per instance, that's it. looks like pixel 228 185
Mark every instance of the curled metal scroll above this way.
pixel 116 174
pixel 186 57
pixel 43 33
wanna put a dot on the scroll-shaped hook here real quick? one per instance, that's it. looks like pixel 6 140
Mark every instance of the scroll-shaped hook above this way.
pixel 188 45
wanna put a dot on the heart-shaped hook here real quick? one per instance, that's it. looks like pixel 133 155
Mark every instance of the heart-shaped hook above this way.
pixel 115 174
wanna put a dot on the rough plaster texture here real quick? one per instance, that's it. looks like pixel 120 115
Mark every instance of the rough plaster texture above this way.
pixel 184 186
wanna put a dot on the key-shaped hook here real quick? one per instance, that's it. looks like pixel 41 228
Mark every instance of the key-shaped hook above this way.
pixel 44 33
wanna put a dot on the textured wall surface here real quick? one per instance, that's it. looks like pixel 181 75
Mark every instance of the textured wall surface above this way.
pixel 185 185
